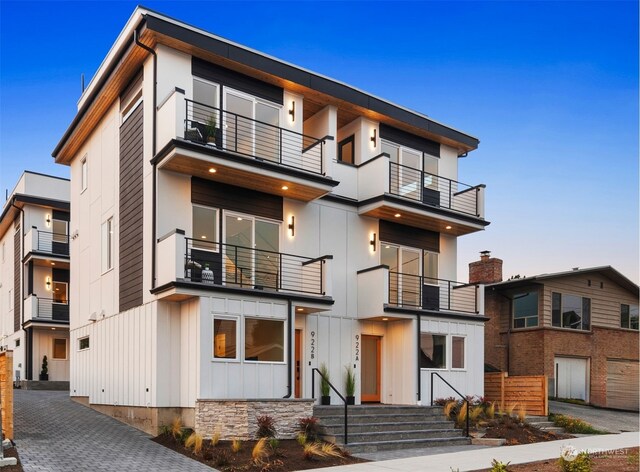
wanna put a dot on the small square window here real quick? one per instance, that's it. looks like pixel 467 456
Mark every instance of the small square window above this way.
pixel 60 349
pixel 83 343
pixel 107 245
pixel 433 351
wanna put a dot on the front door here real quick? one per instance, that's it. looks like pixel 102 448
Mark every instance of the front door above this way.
pixel 371 369
pixel 298 363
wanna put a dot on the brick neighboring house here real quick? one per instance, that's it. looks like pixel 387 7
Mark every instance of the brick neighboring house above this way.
pixel 579 328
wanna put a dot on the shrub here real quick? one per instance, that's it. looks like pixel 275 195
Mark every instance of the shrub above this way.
pixel 449 408
pixel 221 458
pixel 266 427
pixel 461 416
pixel 509 409
pixel 301 438
pixel 490 410
pixel 581 463
pixel 274 444
pixel 259 452
pixel 165 430
pixel 574 425
pixel 522 413
pixel 474 414
pixel 236 445
pixel 311 450
pixel 330 450
pixel 216 438
pixel 194 441
pixel 176 428
pixel 497 466
pixel 444 401
pixel 310 427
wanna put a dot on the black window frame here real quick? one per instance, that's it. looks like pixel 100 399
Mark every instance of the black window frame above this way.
pixel 558 316
pixel 351 139
pixel 525 318
pixel 629 319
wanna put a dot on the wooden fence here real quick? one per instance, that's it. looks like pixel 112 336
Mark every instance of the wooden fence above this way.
pixel 528 391
pixel 6 392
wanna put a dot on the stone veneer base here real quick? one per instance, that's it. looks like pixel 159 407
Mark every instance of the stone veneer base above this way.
pixel 237 418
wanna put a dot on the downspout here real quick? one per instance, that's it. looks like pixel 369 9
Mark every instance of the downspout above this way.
pixel 28 347
pixel 290 354
pixel 418 316
pixel 153 153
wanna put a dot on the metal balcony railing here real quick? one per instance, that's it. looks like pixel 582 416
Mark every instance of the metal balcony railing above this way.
pixel 433 190
pixel 426 293
pixel 229 131
pixel 52 309
pixel 53 243
pixel 245 267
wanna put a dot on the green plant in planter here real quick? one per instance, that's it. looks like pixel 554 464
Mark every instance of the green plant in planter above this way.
pixel 212 126
pixel 324 384
pixel 350 384
pixel 44 372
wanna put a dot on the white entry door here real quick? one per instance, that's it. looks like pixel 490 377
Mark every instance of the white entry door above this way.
pixel 571 378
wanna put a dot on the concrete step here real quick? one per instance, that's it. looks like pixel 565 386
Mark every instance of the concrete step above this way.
pixel 332 410
pixel 356 447
pixel 388 426
pixel 381 418
pixel 382 436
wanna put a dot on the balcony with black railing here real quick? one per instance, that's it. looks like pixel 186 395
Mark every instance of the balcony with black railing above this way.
pixel 50 310
pixel 211 264
pixel 47 243
pixel 255 152
pixel 382 290
pixel 406 195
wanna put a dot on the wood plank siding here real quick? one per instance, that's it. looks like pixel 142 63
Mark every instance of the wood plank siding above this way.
pixel 131 210
pixel 408 236
pixel 228 197
pixel 606 297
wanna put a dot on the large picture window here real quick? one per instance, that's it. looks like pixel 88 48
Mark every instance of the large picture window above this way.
pixel 433 351
pixel 225 338
pixel 629 316
pixel 570 311
pixel 263 340
pixel 525 310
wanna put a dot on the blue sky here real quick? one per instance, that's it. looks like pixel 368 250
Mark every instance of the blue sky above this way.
pixel 549 88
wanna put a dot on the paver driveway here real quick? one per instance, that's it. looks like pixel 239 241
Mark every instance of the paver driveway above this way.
pixel 607 420
pixel 55 434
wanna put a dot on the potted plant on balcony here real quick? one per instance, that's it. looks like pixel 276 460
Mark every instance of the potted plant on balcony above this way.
pixel 44 372
pixel 350 385
pixel 324 385
pixel 214 134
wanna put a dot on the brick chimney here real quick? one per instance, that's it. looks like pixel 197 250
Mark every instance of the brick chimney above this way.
pixel 485 271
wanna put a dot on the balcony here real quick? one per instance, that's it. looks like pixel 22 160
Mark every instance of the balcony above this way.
pixel 204 264
pixel 46 243
pixel 227 147
pixel 48 310
pixel 381 290
pixel 406 195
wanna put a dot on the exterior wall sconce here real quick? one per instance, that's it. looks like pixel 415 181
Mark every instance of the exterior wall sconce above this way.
pixel 374 138
pixel 292 226
pixel 48 283
pixel 48 220
pixel 372 241
pixel 292 111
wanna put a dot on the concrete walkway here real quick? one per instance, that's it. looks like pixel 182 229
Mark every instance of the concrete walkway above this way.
pixel 481 458
pixel 58 435
pixel 605 420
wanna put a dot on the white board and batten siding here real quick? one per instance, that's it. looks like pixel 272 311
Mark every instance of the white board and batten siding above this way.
pixel 468 381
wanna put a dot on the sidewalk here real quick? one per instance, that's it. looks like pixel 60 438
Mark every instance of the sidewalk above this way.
pixel 481 458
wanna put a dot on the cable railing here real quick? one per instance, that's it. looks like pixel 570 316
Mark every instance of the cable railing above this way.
pixel 245 267
pixel 427 293
pixel 53 243
pixel 52 309
pixel 433 190
pixel 236 133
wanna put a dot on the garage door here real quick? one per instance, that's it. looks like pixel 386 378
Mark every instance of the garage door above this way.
pixel 622 384
pixel 571 378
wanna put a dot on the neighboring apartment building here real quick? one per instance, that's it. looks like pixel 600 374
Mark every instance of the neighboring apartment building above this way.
pixel 34 277
pixel 243 220
pixel 579 328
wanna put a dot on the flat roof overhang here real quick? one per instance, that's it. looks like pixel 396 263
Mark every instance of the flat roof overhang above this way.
pixel 193 159
pixel 419 215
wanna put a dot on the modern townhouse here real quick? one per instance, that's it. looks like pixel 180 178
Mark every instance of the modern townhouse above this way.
pixel 34 280
pixel 241 221
pixel 578 327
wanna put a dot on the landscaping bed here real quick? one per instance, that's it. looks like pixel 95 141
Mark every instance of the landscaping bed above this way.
pixel 624 460
pixel 287 456
pixel 12 452
pixel 516 432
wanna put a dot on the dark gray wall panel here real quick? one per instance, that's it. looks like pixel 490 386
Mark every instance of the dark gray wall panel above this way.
pixel 408 236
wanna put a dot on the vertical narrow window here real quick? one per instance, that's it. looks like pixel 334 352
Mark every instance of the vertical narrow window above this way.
pixel 205 228
pixel 457 352
pixel 225 340
pixel 107 245
pixel 60 349
pixel 430 269
pixel 556 319
pixel 84 175
pixel 10 301
pixel 346 150
pixel 629 316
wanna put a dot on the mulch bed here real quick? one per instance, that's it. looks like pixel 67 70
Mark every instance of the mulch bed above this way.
pixel 520 433
pixel 12 452
pixel 287 457
pixel 624 460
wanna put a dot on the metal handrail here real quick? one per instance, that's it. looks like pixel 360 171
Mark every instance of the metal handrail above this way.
pixel 454 389
pixel 313 395
pixel 293 149
pixel 46 240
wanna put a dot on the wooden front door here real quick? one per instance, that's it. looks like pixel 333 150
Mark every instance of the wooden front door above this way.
pixel 371 369
pixel 298 364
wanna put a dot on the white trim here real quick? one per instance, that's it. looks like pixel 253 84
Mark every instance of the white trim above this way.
pixel 284 340
pixel 464 353
pixel 79 349
pixel 236 319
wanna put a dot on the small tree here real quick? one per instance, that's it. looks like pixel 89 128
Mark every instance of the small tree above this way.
pixel 44 372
